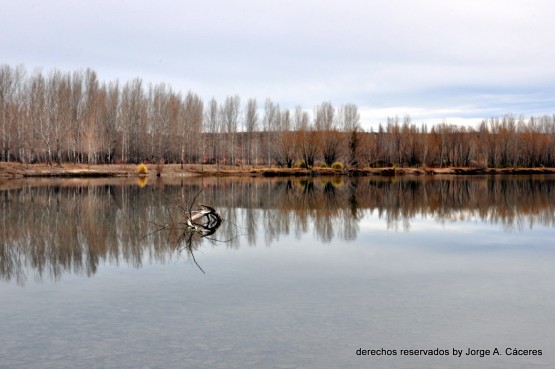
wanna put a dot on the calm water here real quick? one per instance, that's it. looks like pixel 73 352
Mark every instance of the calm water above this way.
pixel 301 273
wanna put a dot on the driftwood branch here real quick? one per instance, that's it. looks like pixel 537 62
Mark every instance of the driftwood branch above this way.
pixel 196 224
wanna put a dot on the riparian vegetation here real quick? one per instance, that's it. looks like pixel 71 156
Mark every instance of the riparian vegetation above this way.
pixel 73 117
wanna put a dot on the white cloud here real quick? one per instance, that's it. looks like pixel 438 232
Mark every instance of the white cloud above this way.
pixel 372 117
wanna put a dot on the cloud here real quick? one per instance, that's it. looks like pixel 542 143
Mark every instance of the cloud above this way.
pixel 434 58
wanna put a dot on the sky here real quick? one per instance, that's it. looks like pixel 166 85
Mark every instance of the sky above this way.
pixel 435 60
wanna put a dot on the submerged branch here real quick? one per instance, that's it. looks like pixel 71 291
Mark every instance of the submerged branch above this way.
pixel 195 225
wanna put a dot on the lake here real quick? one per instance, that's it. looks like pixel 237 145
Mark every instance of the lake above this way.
pixel 379 272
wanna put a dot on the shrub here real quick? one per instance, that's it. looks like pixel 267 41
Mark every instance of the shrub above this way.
pixel 301 164
pixel 324 165
pixel 475 164
pixel 142 169
pixel 338 165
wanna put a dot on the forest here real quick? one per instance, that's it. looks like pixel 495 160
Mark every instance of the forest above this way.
pixel 72 117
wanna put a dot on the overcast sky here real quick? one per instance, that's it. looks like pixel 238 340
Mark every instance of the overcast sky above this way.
pixel 453 61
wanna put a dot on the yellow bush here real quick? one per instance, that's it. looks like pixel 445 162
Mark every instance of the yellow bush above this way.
pixel 337 165
pixel 142 169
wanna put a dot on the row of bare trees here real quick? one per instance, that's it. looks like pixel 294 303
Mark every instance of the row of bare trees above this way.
pixel 74 117
pixel 497 142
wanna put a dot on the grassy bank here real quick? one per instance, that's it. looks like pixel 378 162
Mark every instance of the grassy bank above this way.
pixel 18 170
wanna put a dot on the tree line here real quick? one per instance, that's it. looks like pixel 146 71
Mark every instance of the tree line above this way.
pixel 73 117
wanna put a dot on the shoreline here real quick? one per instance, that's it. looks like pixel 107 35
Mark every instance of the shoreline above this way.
pixel 18 170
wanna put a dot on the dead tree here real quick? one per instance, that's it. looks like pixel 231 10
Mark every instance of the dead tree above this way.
pixel 192 226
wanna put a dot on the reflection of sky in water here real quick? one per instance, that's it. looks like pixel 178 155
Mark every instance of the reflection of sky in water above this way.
pixel 300 303
pixel 458 235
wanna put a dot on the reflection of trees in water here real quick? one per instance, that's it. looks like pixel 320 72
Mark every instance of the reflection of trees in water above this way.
pixel 515 202
pixel 52 230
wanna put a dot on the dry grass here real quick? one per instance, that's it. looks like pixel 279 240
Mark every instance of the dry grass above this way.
pixel 10 170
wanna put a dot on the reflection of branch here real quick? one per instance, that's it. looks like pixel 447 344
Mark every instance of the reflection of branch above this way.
pixel 160 227
pixel 234 224
pixel 193 202
pixel 224 241
pixel 189 247
pixel 197 224
pixel 195 260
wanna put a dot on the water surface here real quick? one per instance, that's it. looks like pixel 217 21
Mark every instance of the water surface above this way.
pixel 301 274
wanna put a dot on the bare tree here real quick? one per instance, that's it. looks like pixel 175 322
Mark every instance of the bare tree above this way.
pixel 7 88
pixel 132 122
pixel 109 121
pixel 230 120
pixel 306 138
pixel 269 122
pixel 159 122
pixel 212 127
pixel 39 113
pixel 22 131
pixel 284 152
pixel 348 121
pixel 251 126
pixel 13 122
pixel 192 128
pixel 326 124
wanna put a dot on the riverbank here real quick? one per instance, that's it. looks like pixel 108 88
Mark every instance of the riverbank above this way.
pixel 18 170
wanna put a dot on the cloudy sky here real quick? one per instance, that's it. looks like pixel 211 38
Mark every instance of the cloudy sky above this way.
pixel 437 60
